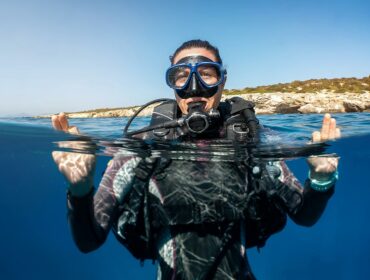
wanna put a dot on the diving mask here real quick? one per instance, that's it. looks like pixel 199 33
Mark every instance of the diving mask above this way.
pixel 195 76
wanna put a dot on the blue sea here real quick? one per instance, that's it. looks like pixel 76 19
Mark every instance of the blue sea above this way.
pixel 35 242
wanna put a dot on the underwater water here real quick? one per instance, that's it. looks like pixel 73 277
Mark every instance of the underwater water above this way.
pixel 36 243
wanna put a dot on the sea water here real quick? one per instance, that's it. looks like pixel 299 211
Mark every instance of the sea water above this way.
pixel 35 242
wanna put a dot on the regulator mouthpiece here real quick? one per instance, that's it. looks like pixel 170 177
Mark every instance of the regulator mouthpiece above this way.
pixel 198 121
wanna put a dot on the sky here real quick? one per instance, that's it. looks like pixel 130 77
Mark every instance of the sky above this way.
pixel 75 55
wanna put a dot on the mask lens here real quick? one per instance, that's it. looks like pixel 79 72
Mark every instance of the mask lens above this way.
pixel 178 76
pixel 209 73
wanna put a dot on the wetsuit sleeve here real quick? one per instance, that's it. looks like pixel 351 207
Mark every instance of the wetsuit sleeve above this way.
pixel 313 203
pixel 90 217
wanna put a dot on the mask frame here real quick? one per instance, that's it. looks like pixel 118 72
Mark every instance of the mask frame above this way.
pixel 194 77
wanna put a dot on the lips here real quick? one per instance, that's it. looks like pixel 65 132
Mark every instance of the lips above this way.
pixel 202 100
pixel 195 99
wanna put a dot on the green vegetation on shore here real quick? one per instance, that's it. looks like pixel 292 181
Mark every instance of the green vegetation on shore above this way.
pixel 102 110
pixel 338 85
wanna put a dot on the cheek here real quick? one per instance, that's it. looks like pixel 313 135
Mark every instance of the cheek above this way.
pixel 182 105
pixel 214 101
pixel 210 104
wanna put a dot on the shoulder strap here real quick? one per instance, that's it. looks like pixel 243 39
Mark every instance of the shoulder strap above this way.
pixel 268 202
pixel 246 109
pixel 133 228
pixel 240 119
pixel 164 112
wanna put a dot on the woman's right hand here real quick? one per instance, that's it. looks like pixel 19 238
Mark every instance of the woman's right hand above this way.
pixel 60 122
pixel 77 168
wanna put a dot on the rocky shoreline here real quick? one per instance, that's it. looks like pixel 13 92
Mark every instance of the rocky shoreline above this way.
pixel 267 103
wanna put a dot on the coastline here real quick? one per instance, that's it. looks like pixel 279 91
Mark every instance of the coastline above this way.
pixel 265 103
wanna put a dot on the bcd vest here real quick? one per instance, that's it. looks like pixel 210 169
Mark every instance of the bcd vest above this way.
pixel 238 121
pixel 194 194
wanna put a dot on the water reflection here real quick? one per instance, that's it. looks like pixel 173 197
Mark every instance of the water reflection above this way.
pixel 200 150
pixel 35 231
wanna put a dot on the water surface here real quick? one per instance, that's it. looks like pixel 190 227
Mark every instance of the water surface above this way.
pixel 36 243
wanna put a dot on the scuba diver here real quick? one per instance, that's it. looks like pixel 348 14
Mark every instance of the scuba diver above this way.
pixel 196 219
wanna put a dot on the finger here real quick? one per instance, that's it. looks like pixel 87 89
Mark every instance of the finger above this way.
pixel 337 133
pixel 58 157
pixel 325 127
pixel 323 165
pixel 332 165
pixel 332 128
pixel 333 161
pixel 73 130
pixel 316 136
pixel 63 121
pixel 55 122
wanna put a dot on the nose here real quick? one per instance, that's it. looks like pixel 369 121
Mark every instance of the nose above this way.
pixel 193 85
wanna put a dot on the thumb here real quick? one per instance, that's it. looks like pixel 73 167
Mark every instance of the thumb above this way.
pixel 73 130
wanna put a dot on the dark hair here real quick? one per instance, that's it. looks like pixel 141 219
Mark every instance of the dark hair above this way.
pixel 197 44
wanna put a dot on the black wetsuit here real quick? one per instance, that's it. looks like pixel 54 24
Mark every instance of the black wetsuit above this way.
pixel 185 252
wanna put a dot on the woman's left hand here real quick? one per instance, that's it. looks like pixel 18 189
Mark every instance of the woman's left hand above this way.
pixel 322 167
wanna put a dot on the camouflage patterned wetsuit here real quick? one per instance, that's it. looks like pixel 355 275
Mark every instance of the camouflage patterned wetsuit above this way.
pixel 185 252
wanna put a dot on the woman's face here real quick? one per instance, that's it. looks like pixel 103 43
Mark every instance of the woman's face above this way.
pixel 210 102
